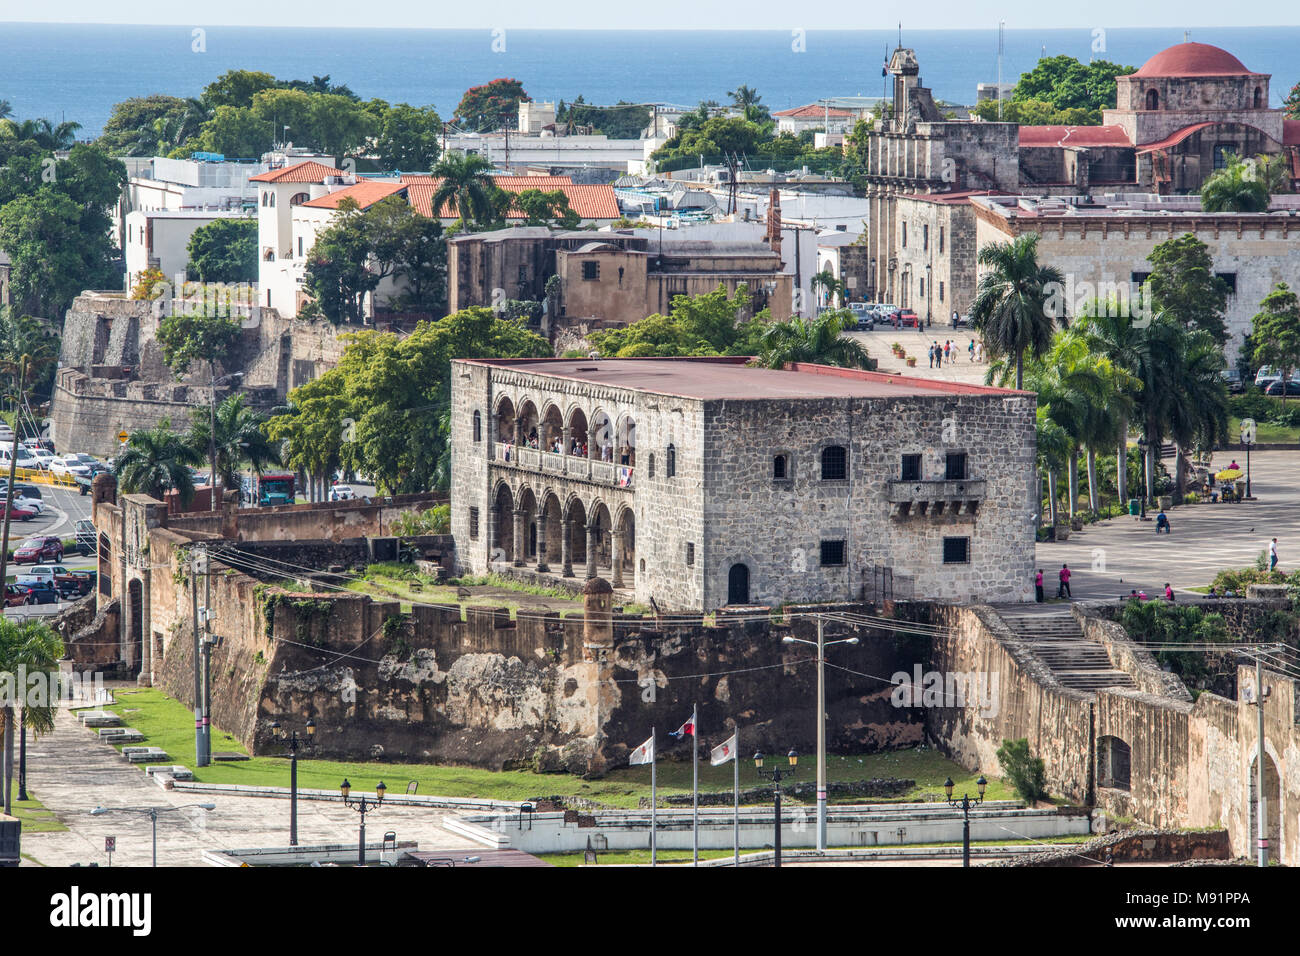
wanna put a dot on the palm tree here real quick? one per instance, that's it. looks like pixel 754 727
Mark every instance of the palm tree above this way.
pixel 157 459
pixel 1011 300
pixel 1199 418
pixel 31 647
pixel 6 109
pixel 819 341
pixel 1053 445
pixel 834 287
pixel 466 183
pixel 239 439
pixel 1115 336
pixel 23 337
pixel 1234 189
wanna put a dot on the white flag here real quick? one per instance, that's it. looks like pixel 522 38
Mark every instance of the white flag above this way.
pixel 643 754
pixel 724 751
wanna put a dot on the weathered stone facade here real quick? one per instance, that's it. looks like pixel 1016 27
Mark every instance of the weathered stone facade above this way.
pixel 936 255
pixel 756 487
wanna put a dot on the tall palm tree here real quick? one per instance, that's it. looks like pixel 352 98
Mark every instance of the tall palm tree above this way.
pixel 239 439
pixel 1121 340
pixel 1011 300
pixel 466 183
pixel 156 460
pixel 1053 446
pixel 819 341
pixel 6 109
pixel 30 646
pixel 1199 418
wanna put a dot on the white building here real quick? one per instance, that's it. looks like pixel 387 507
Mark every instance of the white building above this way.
pixel 815 116
pixel 534 116
pixel 160 184
pixel 160 239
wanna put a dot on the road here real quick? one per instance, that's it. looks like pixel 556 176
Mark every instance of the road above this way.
pixel 64 507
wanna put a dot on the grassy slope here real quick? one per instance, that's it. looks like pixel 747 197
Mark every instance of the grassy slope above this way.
pixel 169 724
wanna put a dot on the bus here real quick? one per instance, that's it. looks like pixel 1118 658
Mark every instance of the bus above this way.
pixel 269 488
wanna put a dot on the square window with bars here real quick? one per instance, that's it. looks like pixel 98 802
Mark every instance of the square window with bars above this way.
pixel 690 554
pixel 832 554
pixel 473 524
pixel 911 469
pixel 955 469
pixel 590 271
pixel 956 550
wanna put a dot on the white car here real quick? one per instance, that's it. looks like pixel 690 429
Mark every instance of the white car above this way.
pixel 68 466
pixel 342 493
pixel 25 458
pixel 29 504
pixel 43 458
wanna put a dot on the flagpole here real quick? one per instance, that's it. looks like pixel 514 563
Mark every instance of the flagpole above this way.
pixel 654 799
pixel 695 784
pixel 735 763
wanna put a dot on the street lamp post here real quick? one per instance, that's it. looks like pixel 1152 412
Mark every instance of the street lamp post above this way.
pixel 1146 475
pixel 821 644
pixel 294 742
pixel 776 775
pixel 362 807
pixel 152 812
pixel 964 805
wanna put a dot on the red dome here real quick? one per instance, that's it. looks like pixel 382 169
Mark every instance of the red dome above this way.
pixel 1193 59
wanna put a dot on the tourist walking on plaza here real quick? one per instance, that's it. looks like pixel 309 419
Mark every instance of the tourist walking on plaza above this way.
pixel 972 350
pixel 1272 554
pixel 1038 586
pixel 1064 589
pixel 930 352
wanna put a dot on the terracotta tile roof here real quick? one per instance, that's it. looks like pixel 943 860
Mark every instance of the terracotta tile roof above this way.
pixel 589 202
pixel 305 172
pixel 505 182
pixel 1291 132
pixel 1048 136
pixel 366 192
pixel 1174 138
pixel 949 199
pixel 813 111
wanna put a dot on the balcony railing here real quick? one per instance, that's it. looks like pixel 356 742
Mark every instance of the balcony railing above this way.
pixel 571 466
pixel 936 497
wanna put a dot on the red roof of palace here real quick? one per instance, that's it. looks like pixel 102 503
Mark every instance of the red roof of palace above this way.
pixel 589 202
pixel 813 111
pixel 309 171
pixel 365 193
pixel 1194 59
pixel 1174 138
pixel 1291 132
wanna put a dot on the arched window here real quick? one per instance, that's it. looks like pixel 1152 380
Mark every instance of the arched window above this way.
pixel 298 199
pixel 478 426
pixel 1153 99
pixel 670 469
pixel 835 463
pixel 1259 98
pixel 264 199
pixel 272 202
pixel 650 466
pixel 780 467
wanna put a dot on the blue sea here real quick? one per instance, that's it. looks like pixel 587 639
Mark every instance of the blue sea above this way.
pixel 77 72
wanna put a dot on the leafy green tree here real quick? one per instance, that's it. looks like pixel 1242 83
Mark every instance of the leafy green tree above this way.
pixel 1011 300
pixel 492 106
pixel 1292 103
pixel 225 250
pixel 235 131
pixel 236 88
pixel 1027 773
pixel 407 137
pixel 1235 188
pixel 711 323
pixel 155 461
pixel 1275 332
pixel 321 84
pixel 714 139
pixel 29 353
pixel 28 647
pixel 747 100
pixel 150 125
pixel 1183 285
pixel 1066 83
pixel 309 435
pixel 541 208
pixel 52 257
pixel 466 182
pixel 834 287
pixel 819 341
pixel 240 439
pixel 338 274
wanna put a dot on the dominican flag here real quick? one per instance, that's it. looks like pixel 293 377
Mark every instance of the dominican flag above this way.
pixel 643 754
pixel 685 729
pixel 724 751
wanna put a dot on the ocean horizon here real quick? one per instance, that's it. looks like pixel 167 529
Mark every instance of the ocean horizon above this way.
pixel 77 72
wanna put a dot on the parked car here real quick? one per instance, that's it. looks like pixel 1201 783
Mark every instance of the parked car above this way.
pixel 86 537
pixel 43 458
pixel 38 593
pixel 68 466
pixel 1232 377
pixel 887 314
pixel 23 503
pixel 908 319
pixel 43 572
pixel 22 490
pixel 39 548
pixel 75 584
pixel 342 493
pixel 1275 387
pixel 24 456
pixel 93 464
pixel 1265 374
pixel 17 514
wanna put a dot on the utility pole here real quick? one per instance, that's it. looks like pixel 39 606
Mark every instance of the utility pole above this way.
pixel 207 661
pixel 1260 804
pixel 197 558
pixel 821 734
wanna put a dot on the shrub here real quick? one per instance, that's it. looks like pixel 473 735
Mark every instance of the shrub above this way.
pixel 1164 623
pixel 1026 772
pixel 435 520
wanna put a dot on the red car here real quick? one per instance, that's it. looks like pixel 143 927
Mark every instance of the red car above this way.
pixel 17 514
pixel 40 548
pixel 15 595
pixel 908 319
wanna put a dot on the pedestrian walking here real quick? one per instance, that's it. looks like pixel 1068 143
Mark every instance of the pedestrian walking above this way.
pixel 930 352
pixel 1038 586
pixel 938 355
pixel 947 350
pixel 1272 554
pixel 1063 590
pixel 972 350
pixel 1169 593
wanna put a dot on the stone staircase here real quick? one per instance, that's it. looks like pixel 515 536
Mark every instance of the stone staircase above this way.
pixel 1055 638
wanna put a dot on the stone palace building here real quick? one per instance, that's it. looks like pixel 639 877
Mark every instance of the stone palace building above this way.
pixel 706 482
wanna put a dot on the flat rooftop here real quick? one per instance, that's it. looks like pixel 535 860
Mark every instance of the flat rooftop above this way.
pixel 730 378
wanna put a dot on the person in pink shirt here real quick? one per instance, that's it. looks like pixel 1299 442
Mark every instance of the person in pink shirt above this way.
pixel 1169 593
pixel 1064 589
pixel 1038 586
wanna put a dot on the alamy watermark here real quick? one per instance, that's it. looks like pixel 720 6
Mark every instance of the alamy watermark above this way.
pixel 970 689
pixel 237 300
pixel 1108 297
pixel 43 688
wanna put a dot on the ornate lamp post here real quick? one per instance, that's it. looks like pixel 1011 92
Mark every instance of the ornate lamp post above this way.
pixel 964 805
pixel 362 806
pixel 294 742
pixel 776 775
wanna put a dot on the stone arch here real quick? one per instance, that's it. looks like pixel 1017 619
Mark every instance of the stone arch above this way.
pixel 624 554
pixel 529 422
pixel 577 424
pixel 575 513
pixel 504 417
pixel 1114 763
pixel 526 525
pixel 625 440
pixel 477 426
pixel 502 545
pixel 1272 806
pixel 738 583
pixel 552 426
pixel 550 529
pixel 1258 99
pixel 1153 99
pixel 600 434
pixel 598 517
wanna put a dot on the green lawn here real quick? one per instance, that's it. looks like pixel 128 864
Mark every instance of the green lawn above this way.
pixel 1267 433
pixel 169 724
pixel 36 819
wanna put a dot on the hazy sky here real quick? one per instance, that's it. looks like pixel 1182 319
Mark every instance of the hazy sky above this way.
pixel 661 14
